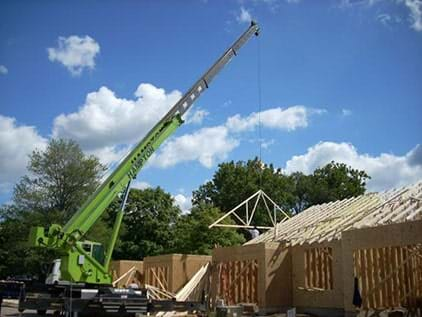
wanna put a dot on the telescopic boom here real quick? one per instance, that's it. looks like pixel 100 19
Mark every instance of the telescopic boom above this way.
pixel 79 265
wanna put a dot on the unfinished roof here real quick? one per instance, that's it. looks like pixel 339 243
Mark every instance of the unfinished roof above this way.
pixel 326 222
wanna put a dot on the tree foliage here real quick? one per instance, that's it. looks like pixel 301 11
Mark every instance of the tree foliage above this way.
pixel 334 181
pixel 194 237
pixel 59 179
pixel 234 182
pixel 148 225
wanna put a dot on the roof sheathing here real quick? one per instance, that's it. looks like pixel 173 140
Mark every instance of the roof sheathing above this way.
pixel 326 222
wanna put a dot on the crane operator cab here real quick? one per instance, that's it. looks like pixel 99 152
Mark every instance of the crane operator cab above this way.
pixel 94 249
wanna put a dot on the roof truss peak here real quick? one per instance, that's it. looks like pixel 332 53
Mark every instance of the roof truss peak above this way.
pixel 246 210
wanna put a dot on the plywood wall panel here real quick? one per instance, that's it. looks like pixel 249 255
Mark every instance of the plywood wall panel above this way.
pixel 120 267
pixel 388 266
pixel 317 275
pixel 259 274
pixel 172 271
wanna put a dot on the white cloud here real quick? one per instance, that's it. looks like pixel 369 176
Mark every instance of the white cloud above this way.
pixel 384 18
pixel 244 16
pixel 140 185
pixel 354 3
pixel 106 126
pixel 211 144
pixel 3 70
pixel 288 119
pixel 110 155
pixel 106 121
pixel 386 170
pixel 415 7
pixel 75 53
pixel 195 116
pixel 206 145
pixel 346 112
pixel 267 143
pixel 16 143
pixel 183 202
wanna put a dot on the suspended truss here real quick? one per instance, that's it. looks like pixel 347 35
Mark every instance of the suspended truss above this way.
pixel 245 216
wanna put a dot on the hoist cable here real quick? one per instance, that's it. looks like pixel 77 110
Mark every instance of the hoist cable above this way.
pixel 259 88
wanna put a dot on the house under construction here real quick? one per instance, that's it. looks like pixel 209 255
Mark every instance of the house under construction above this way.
pixel 362 254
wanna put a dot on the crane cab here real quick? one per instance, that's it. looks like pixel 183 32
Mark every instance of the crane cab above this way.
pixel 94 249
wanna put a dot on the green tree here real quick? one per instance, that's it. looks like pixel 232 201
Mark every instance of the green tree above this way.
pixel 337 181
pixel 334 181
pixel 15 257
pixel 302 191
pixel 59 179
pixel 194 237
pixel 234 182
pixel 148 225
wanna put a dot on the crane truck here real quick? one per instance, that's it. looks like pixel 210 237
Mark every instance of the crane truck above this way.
pixel 80 281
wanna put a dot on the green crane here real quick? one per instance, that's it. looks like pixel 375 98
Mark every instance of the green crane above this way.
pixel 85 261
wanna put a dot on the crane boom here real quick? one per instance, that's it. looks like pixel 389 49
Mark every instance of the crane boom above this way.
pixel 68 238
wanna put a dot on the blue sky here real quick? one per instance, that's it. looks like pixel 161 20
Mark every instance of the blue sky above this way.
pixel 340 80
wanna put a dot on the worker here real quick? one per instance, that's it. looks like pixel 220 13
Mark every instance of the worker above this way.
pixel 254 233
pixel 133 285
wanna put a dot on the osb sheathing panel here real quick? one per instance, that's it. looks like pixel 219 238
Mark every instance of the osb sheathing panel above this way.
pixel 274 268
pixel 278 276
pixel 120 267
pixel 402 234
pixel 332 298
pixel 181 268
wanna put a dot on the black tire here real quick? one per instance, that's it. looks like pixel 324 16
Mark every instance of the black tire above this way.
pixel 41 312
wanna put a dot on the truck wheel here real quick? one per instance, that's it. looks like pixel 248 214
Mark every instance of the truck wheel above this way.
pixel 41 312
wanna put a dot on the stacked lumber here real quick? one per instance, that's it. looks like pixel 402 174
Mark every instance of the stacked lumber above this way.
pixel 195 285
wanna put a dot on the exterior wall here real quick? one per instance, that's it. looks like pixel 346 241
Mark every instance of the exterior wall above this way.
pixel 280 279
pixel 270 286
pixel 172 271
pixel 120 267
pixel 185 266
pixel 305 298
pixel 402 234
pixel 278 273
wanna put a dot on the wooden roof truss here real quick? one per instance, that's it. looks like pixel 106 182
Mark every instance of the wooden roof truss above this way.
pixel 246 210
pixel 326 222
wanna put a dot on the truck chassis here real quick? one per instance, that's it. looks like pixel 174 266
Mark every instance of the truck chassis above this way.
pixel 85 300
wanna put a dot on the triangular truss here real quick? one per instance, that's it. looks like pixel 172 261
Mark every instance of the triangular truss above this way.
pixel 245 218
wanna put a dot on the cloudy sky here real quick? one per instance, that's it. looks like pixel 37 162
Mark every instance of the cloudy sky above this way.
pixel 340 80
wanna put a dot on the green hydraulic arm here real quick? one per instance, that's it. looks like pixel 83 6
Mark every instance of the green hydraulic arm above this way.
pixel 77 263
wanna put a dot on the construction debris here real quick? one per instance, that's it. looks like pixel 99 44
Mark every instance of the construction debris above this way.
pixel 172 271
pixel 125 271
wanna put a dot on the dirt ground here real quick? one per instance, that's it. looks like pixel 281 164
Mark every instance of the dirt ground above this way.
pixel 8 311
